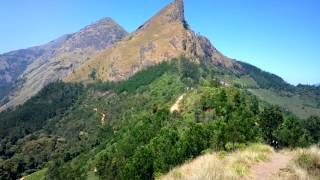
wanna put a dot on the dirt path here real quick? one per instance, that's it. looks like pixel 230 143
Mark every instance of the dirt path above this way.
pixel 175 107
pixel 265 170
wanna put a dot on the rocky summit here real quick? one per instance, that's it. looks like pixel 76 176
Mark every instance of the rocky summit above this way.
pixel 164 37
pixel 32 69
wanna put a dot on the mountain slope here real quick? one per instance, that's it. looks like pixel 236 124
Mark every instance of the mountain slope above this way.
pixel 62 56
pixel 13 64
pixel 135 111
pixel 302 100
pixel 163 37
pixel 124 130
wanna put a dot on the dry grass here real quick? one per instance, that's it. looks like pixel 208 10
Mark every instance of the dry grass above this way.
pixel 125 58
pixel 160 39
pixel 235 165
pixel 305 165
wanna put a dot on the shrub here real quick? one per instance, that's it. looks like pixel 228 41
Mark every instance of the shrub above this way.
pixel 292 134
pixel 270 119
pixel 312 124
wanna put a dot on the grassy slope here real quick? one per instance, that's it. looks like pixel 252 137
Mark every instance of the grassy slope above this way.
pixel 301 100
pixel 39 175
pixel 302 106
pixel 303 103
pixel 236 165
pixel 304 165
pixel 220 165
pixel 129 50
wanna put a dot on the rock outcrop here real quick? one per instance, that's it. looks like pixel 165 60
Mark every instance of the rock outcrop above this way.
pixel 165 36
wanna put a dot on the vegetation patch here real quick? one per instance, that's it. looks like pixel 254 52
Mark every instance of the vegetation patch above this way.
pixel 305 164
pixel 235 165
pixel 140 138
pixel 39 175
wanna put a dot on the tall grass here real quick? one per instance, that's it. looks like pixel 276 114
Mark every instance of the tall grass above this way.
pixel 235 165
pixel 305 165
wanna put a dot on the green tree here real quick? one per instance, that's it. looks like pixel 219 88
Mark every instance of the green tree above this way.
pixel 241 127
pixel 218 138
pixel 195 140
pixel 292 134
pixel 164 148
pixel 140 165
pixel 270 119
pixel 254 106
pixel 189 71
pixel 312 124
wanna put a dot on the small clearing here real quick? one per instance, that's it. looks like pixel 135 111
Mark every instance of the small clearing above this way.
pixel 103 117
pixel 175 107
pixel 265 170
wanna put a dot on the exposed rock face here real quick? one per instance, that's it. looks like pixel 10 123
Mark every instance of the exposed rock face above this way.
pixel 165 36
pixel 59 58
pixel 13 64
pixel 11 68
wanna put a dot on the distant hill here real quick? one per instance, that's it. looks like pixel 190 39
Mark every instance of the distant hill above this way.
pixel 23 73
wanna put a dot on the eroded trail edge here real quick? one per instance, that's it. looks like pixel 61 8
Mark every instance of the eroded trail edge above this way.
pixel 266 170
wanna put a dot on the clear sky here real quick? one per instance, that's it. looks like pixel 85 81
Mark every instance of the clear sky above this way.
pixel 279 36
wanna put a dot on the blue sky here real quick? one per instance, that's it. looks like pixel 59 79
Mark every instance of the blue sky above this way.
pixel 279 36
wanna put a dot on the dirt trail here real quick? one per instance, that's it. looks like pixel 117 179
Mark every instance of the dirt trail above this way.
pixel 175 107
pixel 265 170
pixel 103 116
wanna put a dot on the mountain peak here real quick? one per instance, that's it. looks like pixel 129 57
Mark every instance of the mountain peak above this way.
pixel 99 35
pixel 163 37
pixel 178 12
pixel 172 13
pixel 106 19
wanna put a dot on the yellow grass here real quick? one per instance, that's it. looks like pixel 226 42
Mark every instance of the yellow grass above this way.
pixel 235 165
pixel 305 165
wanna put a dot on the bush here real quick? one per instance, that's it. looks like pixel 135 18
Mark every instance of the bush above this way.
pixel 270 119
pixel 189 72
pixel 292 134
pixel 312 125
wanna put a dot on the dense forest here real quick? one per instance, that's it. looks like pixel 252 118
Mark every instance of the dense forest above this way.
pixel 125 130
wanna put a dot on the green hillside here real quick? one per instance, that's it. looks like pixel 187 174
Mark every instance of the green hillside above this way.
pixel 125 130
pixel 302 100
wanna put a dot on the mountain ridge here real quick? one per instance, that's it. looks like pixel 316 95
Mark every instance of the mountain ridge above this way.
pixel 163 37
pixel 155 99
pixel 61 56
